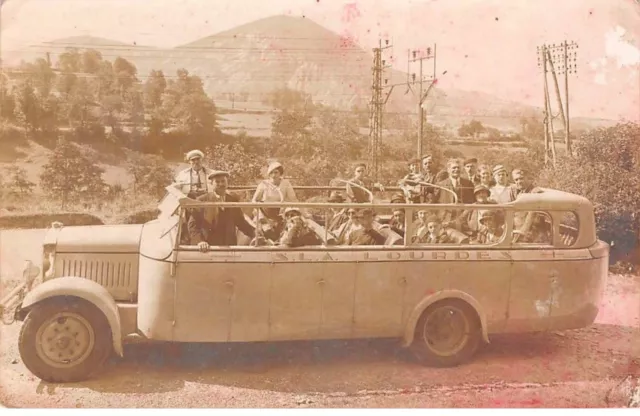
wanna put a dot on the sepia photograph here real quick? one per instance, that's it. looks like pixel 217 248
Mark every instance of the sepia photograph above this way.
pixel 329 204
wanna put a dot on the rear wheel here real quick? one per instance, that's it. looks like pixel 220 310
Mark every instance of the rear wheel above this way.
pixel 447 334
pixel 65 340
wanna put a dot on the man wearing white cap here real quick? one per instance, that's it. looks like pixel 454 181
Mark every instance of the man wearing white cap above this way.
pixel 217 226
pixel 192 181
pixel 501 192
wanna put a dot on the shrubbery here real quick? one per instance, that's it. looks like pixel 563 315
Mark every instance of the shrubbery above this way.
pixel 606 170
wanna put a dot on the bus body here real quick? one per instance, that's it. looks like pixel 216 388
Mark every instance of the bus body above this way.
pixel 441 300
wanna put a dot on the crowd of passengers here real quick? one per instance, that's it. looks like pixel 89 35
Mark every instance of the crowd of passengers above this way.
pixel 465 183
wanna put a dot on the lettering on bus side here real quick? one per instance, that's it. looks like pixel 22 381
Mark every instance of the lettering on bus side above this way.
pixel 454 255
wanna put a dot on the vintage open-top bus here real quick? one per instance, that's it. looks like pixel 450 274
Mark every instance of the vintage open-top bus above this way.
pixel 100 284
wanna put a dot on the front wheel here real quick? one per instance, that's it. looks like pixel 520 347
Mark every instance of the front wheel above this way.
pixel 447 334
pixel 65 340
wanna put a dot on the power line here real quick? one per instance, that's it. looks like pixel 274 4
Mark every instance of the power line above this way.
pixel 422 94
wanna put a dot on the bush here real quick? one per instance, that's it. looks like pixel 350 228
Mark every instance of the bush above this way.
pixel 606 170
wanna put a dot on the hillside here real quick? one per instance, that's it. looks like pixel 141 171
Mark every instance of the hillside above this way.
pixel 283 51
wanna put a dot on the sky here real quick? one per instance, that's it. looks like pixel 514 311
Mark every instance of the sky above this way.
pixel 484 45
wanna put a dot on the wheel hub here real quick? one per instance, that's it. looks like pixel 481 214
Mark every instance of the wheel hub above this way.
pixel 446 331
pixel 65 340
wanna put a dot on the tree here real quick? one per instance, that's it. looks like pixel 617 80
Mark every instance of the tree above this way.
pixel 70 61
pixel 243 166
pixel 28 106
pixel 154 88
pixel 18 182
pixel 151 175
pixel 41 75
pixel 188 107
pixel 125 73
pixel 606 170
pixel 7 101
pixel 291 135
pixel 91 61
pixel 69 174
pixel 473 129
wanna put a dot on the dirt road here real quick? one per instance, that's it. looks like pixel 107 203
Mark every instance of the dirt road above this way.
pixel 583 368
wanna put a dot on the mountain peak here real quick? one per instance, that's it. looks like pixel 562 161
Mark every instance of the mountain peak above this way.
pixel 277 27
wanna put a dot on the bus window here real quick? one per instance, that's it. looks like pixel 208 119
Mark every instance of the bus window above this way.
pixel 469 226
pixel 568 228
pixel 532 227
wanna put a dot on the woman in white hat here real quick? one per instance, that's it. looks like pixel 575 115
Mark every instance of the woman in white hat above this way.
pixel 192 181
pixel 274 189
pixel 500 192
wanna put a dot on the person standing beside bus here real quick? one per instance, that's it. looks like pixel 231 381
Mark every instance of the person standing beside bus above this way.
pixel 192 181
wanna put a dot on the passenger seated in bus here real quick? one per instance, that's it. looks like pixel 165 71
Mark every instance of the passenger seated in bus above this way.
pixel 469 220
pixel 534 229
pixel 365 235
pixel 397 221
pixel 491 229
pixel 353 223
pixel 358 194
pixel 339 216
pixel 432 232
pixel 297 233
pixel 217 226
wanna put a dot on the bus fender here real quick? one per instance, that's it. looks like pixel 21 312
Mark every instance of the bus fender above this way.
pixel 410 327
pixel 81 288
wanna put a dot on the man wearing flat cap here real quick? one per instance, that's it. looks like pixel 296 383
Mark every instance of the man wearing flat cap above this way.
pixel 217 226
pixel 470 171
pixel 410 183
pixel 365 235
pixel 192 181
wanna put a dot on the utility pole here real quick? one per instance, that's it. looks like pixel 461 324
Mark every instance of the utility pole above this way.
pixel 423 93
pixel 561 59
pixel 376 105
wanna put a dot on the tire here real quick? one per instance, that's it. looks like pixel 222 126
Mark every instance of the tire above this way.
pixel 49 333
pixel 467 335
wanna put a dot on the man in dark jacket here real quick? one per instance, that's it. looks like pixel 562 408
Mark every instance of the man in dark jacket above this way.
pixel 461 187
pixel 365 235
pixel 217 226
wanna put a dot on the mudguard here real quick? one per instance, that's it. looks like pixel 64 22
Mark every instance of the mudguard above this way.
pixel 84 289
pixel 409 331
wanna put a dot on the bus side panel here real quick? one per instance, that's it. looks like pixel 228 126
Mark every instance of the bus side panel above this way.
pixel 424 278
pixel 295 301
pixel 489 283
pixel 555 294
pixel 156 291
pixel 338 294
pixel 529 296
pixel 203 299
pixel 250 302
pixel 581 290
pixel 379 289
